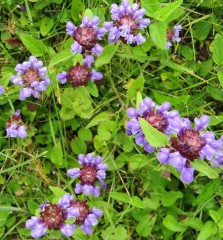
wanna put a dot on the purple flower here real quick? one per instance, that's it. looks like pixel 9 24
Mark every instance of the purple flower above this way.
pixel 79 75
pixel 86 36
pixel 92 171
pixel 1 89
pixel 189 144
pixel 16 127
pixel 32 77
pixel 158 116
pixel 173 36
pixel 127 21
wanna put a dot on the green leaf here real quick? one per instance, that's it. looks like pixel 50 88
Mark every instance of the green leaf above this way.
pixel 46 25
pixel 203 167
pixel 216 93
pixel 106 55
pixel 36 47
pixel 105 130
pixel 92 89
pixel 215 216
pixel 115 233
pixel 220 77
pixel 210 189
pixel 151 7
pixel 218 50
pixel 88 13
pixel 152 135
pixel 215 120
pixel 201 29
pixel 208 230
pixel 32 206
pixel 78 145
pixel 137 161
pixel 193 222
pixel 166 11
pixel 172 224
pixel 187 52
pixel 76 8
pixel 158 34
pixel 101 117
pixel 169 198
pixel 61 57
pixel 146 224
pixel 58 192
pixel 137 202
pixel 121 197
pixel 56 154
pixel 85 134
pixel 135 86
pixel 66 113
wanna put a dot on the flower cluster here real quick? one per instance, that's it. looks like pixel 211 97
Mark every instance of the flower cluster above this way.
pixel 54 216
pixel 127 21
pixel 15 126
pixel 186 143
pixel 189 144
pixel 32 77
pixel 86 36
pixel 92 170
pixel 79 75
pixel 173 36
pixel 158 116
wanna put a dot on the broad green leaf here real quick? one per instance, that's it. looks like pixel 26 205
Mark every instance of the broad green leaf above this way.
pixel 158 34
pixel 105 130
pixel 58 192
pixel 137 161
pixel 56 154
pixel 152 135
pixel 208 230
pixel 169 198
pixel 187 52
pixel 101 117
pixel 172 224
pixel 106 55
pixel 92 89
pixel 146 225
pixel 215 216
pixel 137 202
pixel 121 197
pixel 166 11
pixel 151 7
pixel 61 57
pixel 218 50
pixel 193 222
pixel 46 25
pixel 209 190
pixel 32 206
pixel 215 120
pixel 203 167
pixel 77 8
pixel 85 134
pixel 88 13
pixel 220 77
pixel 78 145
pixel 138 99
pixel 135 86
pixel 33 45
pixel 115 233
pixel 216 93
pixel 66 113
pixel 201 29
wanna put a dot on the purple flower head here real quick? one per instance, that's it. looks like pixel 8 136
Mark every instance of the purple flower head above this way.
pixel 52 216
pixel 86 36
pixel 173 36
pixel 127 21
pixel 32 77
pixel 158 116
pixel 1 89
pixel 92 171
pixel 79 75
pixel 15 126
pixel 188 144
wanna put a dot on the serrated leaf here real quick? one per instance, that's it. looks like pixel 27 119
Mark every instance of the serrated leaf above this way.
pixel 208 230
pixel 61 57
pixel 158 34
pixel 46 25
pixel 172 224
pixel 154 137
pixel 58 192
pixel 203 167
pixel 218 50
pixel 106 55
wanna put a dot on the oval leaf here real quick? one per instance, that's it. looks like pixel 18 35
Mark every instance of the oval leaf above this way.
pixel 154 137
